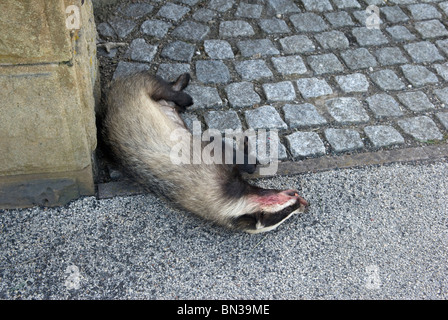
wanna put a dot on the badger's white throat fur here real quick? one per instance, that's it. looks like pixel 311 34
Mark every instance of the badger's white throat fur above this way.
pixel 142 112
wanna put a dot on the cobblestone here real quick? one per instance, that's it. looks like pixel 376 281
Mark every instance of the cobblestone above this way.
pixel 383 106
pixel 394 14
pixel 444 7
pixel 236 28
pixel 190 30
pixel 387 80
pixel 443 118
pixel 204 97
pixel 218 49
pixel 248 10
pixel 281 91
pixel 271 26
pixel 421 128
pixel 347 110
pixel 423 52
pixel 358 59
pixel 264 154
pixel 204 15
pixel 155 28
pixel 125 68
pixel 136 10
pixel 282 6
pixel 308 22
pixel 390 56
pixel 264 117
pixel 313 87
pixel 242 94
pixel 305 144
pixel 442 70
pixel 346 4
pixel 104 29
pixel 171 71
pixel 431 29
pixel 383 136
pixel 313 5
pixel 442 94
pixel 332 40
pixel 179 51
pixel 310 69
pixel 325 63
pixel 139 50
pixel 356 82
pixel 343 139
pixel 297 44
pixel 400 33
pixel 289 65
pixel 369 37
pixel 362 15
pixel 221 5
pixel 172 11
pixel 212 71
pixel 424 11
pixel 222 120
pixel 418 75
pixel 253 69
pixel 260 47
pixel 443 45
pixel 188 119
pixel 339 19
pixel 416 101
pixel 122 27
pixel 302 116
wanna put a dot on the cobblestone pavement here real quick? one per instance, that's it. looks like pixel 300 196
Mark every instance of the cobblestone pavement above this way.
pixel 317 71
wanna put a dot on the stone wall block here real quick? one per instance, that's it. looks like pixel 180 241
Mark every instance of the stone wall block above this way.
pixel 49 88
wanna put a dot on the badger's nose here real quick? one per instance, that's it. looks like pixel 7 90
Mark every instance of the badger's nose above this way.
pixel 295 193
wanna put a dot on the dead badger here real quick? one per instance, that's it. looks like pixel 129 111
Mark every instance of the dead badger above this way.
pixel 142 112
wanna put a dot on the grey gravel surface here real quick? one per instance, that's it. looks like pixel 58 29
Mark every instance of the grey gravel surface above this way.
pixel 370 233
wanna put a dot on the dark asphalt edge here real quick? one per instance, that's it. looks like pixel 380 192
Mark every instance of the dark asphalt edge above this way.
pixel 325 163
pixel 407 155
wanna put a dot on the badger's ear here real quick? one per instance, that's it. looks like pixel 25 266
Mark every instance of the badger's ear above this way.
pixel 181 83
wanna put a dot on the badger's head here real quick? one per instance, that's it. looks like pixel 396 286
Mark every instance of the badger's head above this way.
pixel 272 207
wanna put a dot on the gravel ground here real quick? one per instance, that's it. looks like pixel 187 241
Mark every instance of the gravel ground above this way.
pixel 370 233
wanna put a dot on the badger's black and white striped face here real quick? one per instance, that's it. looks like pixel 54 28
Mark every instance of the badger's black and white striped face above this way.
pixel 275 208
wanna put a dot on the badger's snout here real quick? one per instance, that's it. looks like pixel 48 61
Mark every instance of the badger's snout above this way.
pixel 275 207
pixel 295 194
